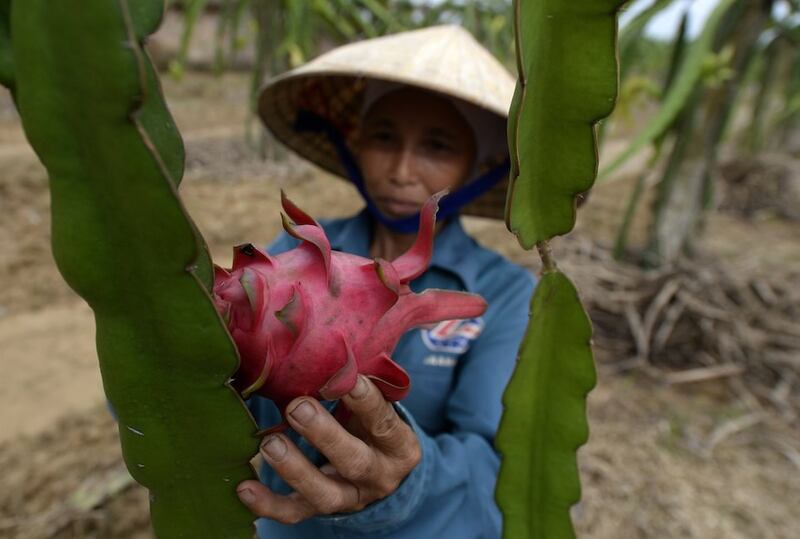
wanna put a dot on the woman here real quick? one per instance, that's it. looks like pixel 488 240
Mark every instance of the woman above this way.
pixel 403 117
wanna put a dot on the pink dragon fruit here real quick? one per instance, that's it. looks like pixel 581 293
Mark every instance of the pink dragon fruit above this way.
pixel 307 321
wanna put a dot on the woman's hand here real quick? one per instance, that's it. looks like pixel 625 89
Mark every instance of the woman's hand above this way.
pixel 361 469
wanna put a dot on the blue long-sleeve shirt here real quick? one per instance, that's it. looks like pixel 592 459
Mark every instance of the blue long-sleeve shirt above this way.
pixel 459 370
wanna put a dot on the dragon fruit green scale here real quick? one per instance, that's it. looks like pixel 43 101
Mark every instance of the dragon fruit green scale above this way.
pixel 307 321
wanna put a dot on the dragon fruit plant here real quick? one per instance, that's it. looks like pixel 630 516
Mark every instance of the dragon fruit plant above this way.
pixel 307 321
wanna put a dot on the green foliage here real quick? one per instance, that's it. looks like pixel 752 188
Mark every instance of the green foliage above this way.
pixel 91 107
pixel 304 26
pixel 694 116
pixel 6 56
pixel 762 73
pixel 558 103
pixel 743 50
pixel 632 37
pixel 676 57
pixel 193 10
pixel 687 78
pixel 545 419
pixel 791 111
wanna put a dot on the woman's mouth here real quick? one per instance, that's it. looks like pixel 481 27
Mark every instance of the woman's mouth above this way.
pixel 397 207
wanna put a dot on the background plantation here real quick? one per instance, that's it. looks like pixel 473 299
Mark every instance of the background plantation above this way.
pixel 739 77
pixel 685 256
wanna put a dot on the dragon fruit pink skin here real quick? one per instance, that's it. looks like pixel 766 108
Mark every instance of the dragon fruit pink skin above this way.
pixel 307 321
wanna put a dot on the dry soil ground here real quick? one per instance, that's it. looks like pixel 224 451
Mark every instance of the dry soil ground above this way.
pixel 661 462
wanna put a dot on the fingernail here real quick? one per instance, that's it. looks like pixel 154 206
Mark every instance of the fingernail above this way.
pixel 303 412
pixel 274 447
pixel 246 495
pixel 360 390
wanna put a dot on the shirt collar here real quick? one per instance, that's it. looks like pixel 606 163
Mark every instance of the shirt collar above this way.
pixel 452 247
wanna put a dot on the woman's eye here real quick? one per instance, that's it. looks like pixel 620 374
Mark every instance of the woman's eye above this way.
pixel 382 136
pixel 439 145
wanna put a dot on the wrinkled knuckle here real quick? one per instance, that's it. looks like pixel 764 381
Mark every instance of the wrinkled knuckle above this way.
pixel 387 425
pixel 376 408
pixel 413 458
pixel 291 475
pixel 360 467
pixel 330 503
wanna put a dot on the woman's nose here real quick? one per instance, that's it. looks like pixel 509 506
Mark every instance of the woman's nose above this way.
pixel 404 172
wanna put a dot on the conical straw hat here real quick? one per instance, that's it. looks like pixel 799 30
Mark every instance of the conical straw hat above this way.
pixel 443 59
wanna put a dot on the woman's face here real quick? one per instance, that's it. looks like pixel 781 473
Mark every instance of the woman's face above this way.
pixel 411 145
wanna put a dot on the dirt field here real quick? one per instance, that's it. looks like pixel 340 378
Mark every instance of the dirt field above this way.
pixel 662 462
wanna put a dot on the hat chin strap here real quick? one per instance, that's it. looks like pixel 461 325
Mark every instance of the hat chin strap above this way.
pixel 307 121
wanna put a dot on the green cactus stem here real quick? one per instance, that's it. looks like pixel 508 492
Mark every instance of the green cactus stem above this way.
pixel 92 109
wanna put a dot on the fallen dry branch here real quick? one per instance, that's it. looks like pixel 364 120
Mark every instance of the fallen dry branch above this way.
pixel 703 374
pixel 695 322
pixel 730 428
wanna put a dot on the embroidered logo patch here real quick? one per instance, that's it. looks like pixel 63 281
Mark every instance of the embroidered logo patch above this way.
pixel 453 336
